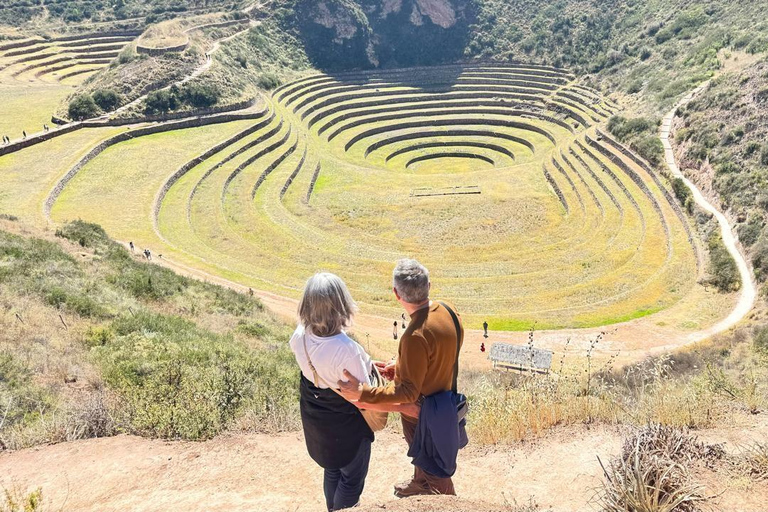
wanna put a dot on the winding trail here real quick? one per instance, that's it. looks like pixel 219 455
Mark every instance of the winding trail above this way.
pixel 748 289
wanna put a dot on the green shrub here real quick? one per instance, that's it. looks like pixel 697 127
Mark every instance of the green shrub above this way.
pixel 635 86
pixel 253 329
pixel 86 234
pixel 74 302
pixel 761 337
pixel 145 281
pixel 760 258
pixel 106 99
pixel 751 148
pixel 201 95
pixel 268 81
pixel 749 232
pixel 162 101
pixel 82 107
pixel 682 192
pixel 764 155
pixel 724 274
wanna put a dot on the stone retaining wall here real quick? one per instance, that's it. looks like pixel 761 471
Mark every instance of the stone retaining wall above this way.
pixel 155 52
pixel 569 180
pixel 638 181
pixel 517 100
pixel 433 123
pixel 647 168
pixel 312 183
pixel 96 35
pixel 184 169
pixel 271 167
pixel 294 173
pixel 558 192
pixel 20 44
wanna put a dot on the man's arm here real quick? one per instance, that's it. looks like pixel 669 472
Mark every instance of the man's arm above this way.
pixel 409 376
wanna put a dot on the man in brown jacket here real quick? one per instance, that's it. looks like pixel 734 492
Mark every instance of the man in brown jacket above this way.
pixel 424 366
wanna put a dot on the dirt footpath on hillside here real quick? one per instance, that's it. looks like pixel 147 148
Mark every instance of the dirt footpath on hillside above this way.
pixel 274 473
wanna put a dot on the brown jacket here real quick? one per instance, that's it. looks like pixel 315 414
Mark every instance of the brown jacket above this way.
pixel 425 361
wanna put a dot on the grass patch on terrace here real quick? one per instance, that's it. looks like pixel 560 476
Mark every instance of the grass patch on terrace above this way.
pixel 27 106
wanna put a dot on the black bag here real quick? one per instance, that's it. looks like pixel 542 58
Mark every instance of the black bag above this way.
pixel 462 407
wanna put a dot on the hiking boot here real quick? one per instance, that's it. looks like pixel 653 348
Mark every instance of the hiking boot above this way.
pixel 411 487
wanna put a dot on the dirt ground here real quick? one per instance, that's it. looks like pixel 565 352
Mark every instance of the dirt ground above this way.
pixel 274 473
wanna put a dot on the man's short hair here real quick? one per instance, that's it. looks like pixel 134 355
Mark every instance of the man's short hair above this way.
pixel 411 280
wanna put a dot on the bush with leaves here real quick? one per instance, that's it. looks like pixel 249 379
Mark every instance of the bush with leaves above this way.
pixel 201 95
pixel 106 99
pixel 82 107
pixel 159 102
pixel 724 274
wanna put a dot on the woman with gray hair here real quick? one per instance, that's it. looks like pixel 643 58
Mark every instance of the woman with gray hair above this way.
pixel 338 438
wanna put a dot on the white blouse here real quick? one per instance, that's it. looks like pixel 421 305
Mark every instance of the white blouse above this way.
pixel 331 356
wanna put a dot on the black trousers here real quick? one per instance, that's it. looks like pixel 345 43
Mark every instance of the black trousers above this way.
pixel 344 486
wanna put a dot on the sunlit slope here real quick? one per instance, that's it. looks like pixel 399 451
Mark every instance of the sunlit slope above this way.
pixel 493 176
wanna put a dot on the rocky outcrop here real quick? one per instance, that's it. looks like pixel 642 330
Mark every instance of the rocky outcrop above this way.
pixel 350 34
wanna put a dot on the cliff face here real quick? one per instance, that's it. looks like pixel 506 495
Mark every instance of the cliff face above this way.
pixel 345 34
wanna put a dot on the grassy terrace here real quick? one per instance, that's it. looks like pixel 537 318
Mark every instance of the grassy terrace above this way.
pixel 63 58
pixel 566 230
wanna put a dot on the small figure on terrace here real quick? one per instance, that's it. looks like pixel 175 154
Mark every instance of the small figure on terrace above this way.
pixel 131 246
pixel 394 330
pixel 485 329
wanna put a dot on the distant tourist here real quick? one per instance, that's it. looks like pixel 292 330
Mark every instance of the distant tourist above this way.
pixel 394 330
pixel 250 292
pixel 424 372
pixel 148 254
pixel 482 347
pixel 131 246
pixel 45 127
pixel 485 329
pixel 23 134
pixel 337 434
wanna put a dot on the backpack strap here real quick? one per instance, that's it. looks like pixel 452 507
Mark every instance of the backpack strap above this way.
pixel 459 336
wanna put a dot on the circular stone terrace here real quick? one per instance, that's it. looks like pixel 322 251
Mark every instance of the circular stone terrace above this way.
pixel 495 177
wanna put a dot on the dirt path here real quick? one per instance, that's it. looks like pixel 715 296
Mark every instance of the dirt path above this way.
pixel 274 473
pixel 748 291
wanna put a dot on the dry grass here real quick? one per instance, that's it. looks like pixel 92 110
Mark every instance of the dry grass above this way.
pixel 753 460
pixel 508 407
pixel 652 474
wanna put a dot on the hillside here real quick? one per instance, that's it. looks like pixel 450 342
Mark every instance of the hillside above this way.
pixel 721 138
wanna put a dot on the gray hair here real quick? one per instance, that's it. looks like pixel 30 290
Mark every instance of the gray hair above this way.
pixel 411 280
pixel 326 306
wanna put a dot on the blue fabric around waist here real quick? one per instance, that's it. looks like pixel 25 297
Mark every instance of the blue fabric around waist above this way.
pixel 438 436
